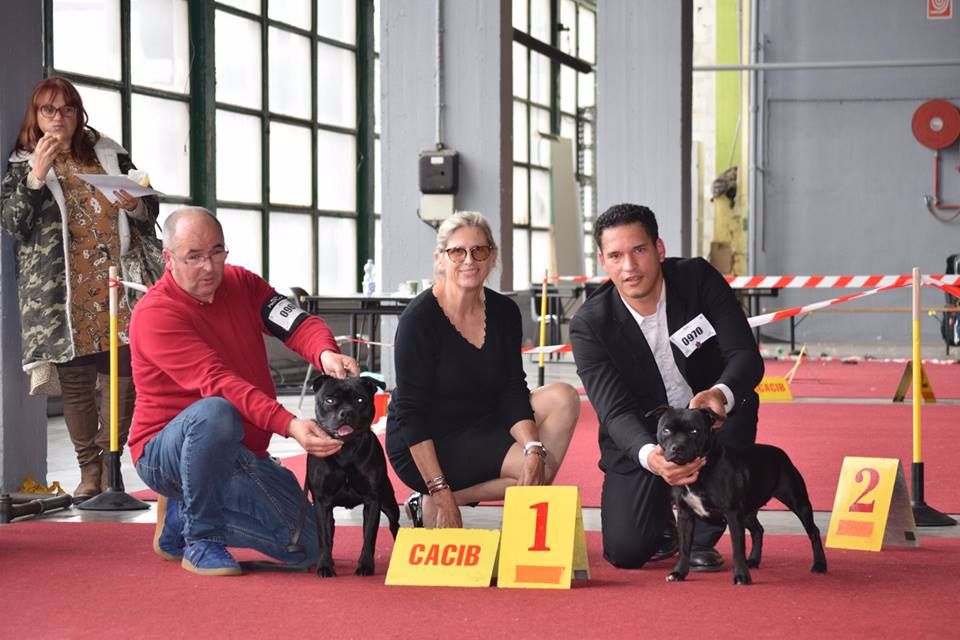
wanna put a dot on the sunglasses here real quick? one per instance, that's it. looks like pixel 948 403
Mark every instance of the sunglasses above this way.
pixel 478 253
pixel 49 111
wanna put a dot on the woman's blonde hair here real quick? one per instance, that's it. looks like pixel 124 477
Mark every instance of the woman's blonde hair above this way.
pixel 458 221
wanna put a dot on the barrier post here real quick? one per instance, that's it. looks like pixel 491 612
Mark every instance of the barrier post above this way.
pixel 543 327
pixel 114 498
pixel 923 514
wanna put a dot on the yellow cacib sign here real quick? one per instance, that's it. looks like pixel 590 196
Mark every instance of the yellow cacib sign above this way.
pixel 871 507
pixel 443 557
pixel 774 389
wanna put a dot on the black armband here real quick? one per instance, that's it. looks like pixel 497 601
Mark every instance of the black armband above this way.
pixel 281 316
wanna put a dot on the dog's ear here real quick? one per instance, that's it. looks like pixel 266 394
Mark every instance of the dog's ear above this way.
pixel 656 413
pixel 373 384
pixel 712 418
pixel 319 380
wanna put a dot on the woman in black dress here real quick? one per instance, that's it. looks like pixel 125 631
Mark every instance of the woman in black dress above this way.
pixel 462 425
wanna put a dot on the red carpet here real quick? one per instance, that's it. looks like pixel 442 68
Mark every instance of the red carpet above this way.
pixel 101 580
pixel 816 436
pixel 863 379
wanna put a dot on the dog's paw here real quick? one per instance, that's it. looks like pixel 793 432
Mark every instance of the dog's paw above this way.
pixel 364 570
pixel 742 578
pixel 819 567
pixel 675 576
pixel 753 564
pixel 326 572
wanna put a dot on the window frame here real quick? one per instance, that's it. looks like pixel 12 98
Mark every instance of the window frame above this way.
pixel 582 116
pixel 203 106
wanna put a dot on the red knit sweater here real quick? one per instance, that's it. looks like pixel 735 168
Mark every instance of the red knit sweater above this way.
pixel 183 350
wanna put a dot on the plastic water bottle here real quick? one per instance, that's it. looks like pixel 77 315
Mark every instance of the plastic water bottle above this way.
pixel 369 285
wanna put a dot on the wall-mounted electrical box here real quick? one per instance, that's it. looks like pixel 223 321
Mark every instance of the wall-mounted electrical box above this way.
pixel 439 171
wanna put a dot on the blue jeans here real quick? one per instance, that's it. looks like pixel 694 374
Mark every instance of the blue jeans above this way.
pixel 228 495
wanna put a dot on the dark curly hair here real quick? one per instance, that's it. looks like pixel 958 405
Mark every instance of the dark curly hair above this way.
pixel 621 214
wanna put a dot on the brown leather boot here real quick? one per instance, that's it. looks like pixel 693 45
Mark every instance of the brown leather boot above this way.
pixel 126 395
pixel 89 482
pixel 78 388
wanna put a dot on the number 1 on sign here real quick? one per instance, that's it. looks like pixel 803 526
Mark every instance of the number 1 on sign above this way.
pixel 543 545
pixel 540 527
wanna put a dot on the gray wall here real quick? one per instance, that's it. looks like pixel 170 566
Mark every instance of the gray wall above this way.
pixel 843 175
pixel 23 422
pixel 477 122
pixel 643 111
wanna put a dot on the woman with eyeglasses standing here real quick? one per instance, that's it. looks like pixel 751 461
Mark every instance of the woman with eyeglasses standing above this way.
pixel 68 234
pixel 462 425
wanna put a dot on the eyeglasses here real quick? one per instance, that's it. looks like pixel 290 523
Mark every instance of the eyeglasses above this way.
pixel 216 258
pixel 49 111
pixel 478 253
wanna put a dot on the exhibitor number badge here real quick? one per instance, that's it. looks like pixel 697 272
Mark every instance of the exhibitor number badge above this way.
pixel 693 334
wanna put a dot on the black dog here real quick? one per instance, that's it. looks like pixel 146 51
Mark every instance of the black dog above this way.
pixel 357 474
pixel 732 486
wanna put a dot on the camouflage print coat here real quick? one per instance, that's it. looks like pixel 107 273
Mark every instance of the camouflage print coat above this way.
pixel 37 220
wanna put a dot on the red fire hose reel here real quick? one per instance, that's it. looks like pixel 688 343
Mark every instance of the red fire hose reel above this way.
pixel 936 125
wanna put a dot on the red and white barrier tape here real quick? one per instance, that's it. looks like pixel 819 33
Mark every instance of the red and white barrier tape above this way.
pixel 767 318
pixel 799 282
pixel 944 282
pixel 136 286
pixel 830 282
pixel 556 348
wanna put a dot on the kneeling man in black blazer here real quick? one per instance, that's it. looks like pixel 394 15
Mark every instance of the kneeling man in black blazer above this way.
pixel 660 332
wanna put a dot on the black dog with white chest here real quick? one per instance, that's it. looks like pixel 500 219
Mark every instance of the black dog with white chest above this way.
pixel 357 474
pixel 732 486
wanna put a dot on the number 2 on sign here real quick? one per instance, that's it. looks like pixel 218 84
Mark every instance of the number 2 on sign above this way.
pixel 540 528
pixel 872 482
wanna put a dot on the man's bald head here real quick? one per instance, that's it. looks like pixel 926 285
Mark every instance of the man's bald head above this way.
pixel 176 219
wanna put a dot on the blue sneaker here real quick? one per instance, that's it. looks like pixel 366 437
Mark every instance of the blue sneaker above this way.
pixel 209 559
pixel 168 542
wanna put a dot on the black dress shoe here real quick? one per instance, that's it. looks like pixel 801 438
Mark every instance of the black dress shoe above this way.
pixel 414 508
pixel 706 560
pixel 669 545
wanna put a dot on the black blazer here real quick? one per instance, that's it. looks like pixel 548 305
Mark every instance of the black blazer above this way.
pixel 621 376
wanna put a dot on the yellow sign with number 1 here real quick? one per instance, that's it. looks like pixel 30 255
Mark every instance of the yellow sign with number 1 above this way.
pixel 871 507
pixel 542 545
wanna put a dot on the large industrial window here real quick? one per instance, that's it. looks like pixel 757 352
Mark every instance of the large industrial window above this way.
pixel 136 87
pixel 545 102
pixel 291 177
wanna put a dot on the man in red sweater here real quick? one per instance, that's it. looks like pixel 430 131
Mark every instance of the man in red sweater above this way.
pixel 206 406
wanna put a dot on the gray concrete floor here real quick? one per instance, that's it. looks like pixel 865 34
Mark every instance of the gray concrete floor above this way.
pixel 62 463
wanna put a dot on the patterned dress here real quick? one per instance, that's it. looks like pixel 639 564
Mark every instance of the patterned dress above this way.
pixel 94 244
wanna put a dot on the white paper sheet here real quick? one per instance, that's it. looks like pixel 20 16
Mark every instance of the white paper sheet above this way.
pixel 108 184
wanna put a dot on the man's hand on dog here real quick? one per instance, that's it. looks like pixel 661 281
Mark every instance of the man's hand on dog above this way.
pixel 674 474
pixel 312 438
pixel 339 365
pixel 712 399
